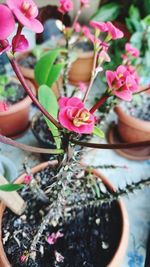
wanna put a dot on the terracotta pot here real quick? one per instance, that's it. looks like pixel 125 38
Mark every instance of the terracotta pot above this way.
pixel 16 119
pixel 132 129
pixel 120 252
pixel 29 74
pixel 81 69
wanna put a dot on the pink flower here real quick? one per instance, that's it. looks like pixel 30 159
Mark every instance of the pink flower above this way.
pixel 7 23
pixel 3 106
pixel 65 6
pixel 102 26
pixel 74 116
pixel 132 71
pixel 82 86
pixel 19 43
pixel 134 52
pixel 52 239
pixel 113 31
pixel 59 257
pixel 27 179
pixel 104 56
pixel 90 36
pixel 26 12
pixel 77 27
pixel 23 258
pixel 122 83
pixel 84 3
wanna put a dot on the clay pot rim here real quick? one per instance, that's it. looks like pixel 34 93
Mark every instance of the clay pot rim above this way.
pixel 21 104
pixel 120 251
pixel 84 55
pixel 133 122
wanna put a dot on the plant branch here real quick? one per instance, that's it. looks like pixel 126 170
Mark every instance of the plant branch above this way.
pixel 111 146
pixel 8 141
pixel 29 92
pixel 99 103
pixel 92 77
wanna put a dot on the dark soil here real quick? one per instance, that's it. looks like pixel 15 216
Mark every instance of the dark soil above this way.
pixel 28 62
pixel 43 135
pixel 89 240
pixel 140 109
pixel 85 46
pixel 18 95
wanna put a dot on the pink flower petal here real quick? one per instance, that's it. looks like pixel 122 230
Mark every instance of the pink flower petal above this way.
pixel 124 95
pixel 7 22
pixel 102 26
pixel 26 12
pixel 114 31
pixel 110 77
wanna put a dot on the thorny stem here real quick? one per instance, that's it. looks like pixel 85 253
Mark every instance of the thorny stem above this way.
pixel 34 187
pixel 29 92
pixel 8 141
pixel 92 77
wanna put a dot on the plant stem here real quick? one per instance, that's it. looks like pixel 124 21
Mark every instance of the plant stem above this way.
pixel 111 146
pixel 8 141
pixel 99 103
pixel 92 77
pixel 29 92
pixel 143 90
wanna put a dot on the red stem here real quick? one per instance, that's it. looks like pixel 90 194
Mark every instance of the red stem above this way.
pixel 99 103
pixel 30 93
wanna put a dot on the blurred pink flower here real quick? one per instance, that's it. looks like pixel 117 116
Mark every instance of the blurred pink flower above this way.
pixel 26 12
pixel 77 27
pixel 102 26
pixel 19 43
pixel 90 36
pixel 52 239
pixel 113 31
pixel 74 116
pixel 58 256
pixel 7 23
pixel 27 179
pixel 84 3
pixel 122 83
pixel 65 6
pixel 104 56
pixel 134 52
pixel 82 86
pixel 3 106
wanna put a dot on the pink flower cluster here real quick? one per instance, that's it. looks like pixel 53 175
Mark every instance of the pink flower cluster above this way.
pixel 65 6
pixel 74 116
pixel 133 51
pixel 122 82
pixel 113 32
pixel 52 239
pixel 26 12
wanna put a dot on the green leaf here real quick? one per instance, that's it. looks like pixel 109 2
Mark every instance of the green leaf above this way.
pixel 11 187
pixel 107 12
pixel 48 100
pixel 44 68
pixel 55 72
pixel 136 39
pixel 97 131
pixel 134 12
pixel 146 20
